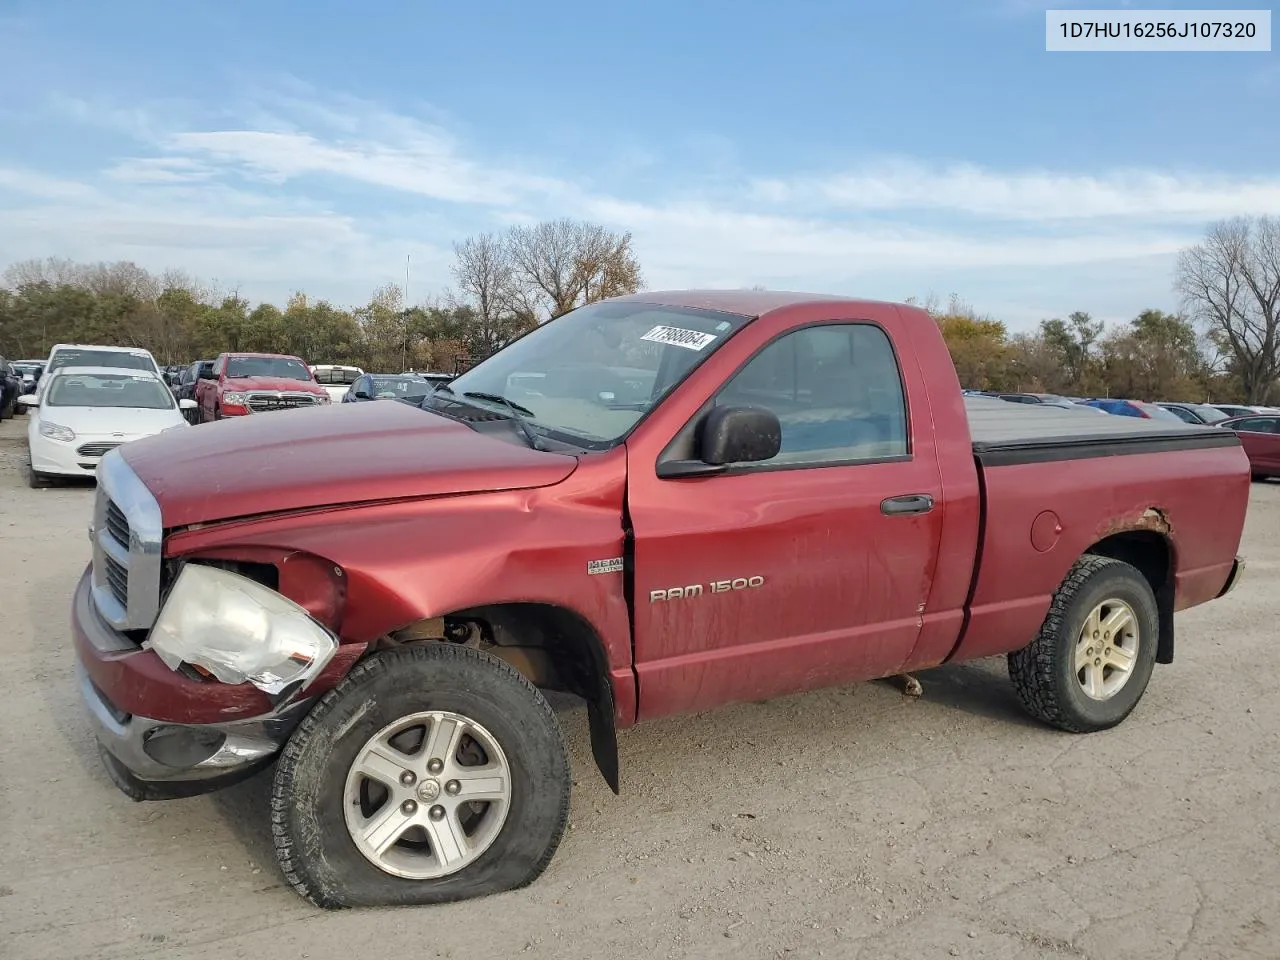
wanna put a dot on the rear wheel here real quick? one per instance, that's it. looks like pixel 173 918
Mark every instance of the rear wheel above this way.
pixel 1091 662
pixel 431 773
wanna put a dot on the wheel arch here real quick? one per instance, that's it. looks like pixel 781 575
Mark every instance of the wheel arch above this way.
pixel 555 648
pixel 1153 554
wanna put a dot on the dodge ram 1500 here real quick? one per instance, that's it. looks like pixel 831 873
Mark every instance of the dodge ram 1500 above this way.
pixel 661 503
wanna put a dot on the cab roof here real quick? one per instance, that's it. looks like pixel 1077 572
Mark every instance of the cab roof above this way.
pixel 746 303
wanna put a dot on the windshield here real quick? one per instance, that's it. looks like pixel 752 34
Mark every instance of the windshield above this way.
pixel 1210 414
pixel 109 390
pixel 399 388
pixel 280 367
pixel 589 376
pixel 1157 413
pixel 101 358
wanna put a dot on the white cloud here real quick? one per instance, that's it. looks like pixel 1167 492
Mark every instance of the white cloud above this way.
pixel 161 170
pixel 332 194
pixel 1138 195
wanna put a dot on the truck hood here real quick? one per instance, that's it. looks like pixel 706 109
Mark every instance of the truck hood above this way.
pixel 271 383
pixel 343 454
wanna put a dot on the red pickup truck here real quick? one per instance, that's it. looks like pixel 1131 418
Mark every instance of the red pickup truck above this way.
pixel 661 503
pixel 244 383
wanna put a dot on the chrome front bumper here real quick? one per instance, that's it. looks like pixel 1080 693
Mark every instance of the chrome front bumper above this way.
pixel 156 751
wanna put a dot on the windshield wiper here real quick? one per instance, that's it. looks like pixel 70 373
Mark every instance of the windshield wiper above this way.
pixel 498 398
pixel 518 414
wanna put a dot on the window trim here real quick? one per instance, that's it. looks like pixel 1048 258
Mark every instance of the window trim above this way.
pixel 766 466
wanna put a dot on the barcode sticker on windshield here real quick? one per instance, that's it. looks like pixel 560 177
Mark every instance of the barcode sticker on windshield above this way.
pixel 679 337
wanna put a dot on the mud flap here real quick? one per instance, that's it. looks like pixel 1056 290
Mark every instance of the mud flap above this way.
pixel 604 736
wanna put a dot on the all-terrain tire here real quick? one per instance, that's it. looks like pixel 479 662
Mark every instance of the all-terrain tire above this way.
pixel 1043 672
pixel 315 850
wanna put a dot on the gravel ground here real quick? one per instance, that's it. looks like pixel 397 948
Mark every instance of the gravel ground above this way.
pixel 849 823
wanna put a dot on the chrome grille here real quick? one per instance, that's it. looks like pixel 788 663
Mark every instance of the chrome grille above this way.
pixel 265 401
pixel 117 577
pixel 127 533
pixel 95 449
pixel 117 525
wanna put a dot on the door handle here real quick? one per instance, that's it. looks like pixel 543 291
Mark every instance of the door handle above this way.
pixel 907 504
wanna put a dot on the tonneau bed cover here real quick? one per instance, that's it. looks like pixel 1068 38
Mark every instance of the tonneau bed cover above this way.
pixel 1006 433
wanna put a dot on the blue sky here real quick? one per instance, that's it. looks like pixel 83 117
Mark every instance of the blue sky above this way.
pixel 888 151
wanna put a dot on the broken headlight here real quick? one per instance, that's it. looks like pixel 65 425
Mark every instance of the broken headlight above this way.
pixel 239 631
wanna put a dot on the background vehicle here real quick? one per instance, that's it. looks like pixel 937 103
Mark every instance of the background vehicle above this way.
pixel 1133 408
pixel 30 371
pixel 336 379
pixel 1071 405
pixel 803 498
pixel 391 386
pixel 84 412
pixel 1260 437
pixel 1194 412
pixel 244 383
pixel 10 388
pixel 189 376
pixel 99 355
pixel 1238 410
pixel 184 387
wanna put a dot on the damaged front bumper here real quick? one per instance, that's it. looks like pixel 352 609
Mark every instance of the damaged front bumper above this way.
pixel 206 735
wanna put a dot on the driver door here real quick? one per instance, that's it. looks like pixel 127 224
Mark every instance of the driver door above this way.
pixel 807 570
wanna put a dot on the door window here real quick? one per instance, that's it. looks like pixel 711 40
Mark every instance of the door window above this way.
pixel 1255 425
pixel 837 391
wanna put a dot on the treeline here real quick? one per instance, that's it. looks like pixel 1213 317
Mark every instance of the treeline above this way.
pixel 506 284
pixel 1156 356
pixel 1224 344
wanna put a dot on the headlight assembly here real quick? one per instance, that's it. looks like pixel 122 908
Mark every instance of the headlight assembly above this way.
pixel 233 399
pixel 240 631
pixel 56 431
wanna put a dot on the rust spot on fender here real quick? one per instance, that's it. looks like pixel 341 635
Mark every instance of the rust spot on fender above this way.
pixel 1152 519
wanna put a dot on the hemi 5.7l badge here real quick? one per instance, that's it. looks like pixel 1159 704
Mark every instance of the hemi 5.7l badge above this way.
pixel 613 565
pixel 698 589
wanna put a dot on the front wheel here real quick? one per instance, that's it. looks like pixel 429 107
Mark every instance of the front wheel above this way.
pixel 1091 662
pixel 37 480
pixel 430 773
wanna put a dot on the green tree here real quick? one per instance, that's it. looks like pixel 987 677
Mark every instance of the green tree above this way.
pixel 1073 341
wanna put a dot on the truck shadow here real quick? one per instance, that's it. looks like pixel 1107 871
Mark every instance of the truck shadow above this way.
pixel 980 688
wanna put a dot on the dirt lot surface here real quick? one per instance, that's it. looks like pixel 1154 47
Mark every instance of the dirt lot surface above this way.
pixel 849 823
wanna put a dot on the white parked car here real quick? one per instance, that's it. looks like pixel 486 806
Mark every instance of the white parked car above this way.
pixel 336 379
pixel 82 412
pixel 96 355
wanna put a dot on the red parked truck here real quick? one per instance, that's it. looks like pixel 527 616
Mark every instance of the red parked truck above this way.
pixel 661 503
pixel 244 383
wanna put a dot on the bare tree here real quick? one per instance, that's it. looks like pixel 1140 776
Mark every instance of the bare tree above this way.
pixel 486 279
pixel 1230 283
pixel 55 271
pixel 562 264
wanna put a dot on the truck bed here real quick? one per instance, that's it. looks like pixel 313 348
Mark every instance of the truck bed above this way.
pixel 1181 483
pixel 1007 433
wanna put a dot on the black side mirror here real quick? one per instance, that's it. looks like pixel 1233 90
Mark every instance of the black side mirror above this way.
pixel 729 435
pixel 363 395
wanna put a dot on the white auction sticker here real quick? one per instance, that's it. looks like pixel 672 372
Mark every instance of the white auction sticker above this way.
pixel 679 337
